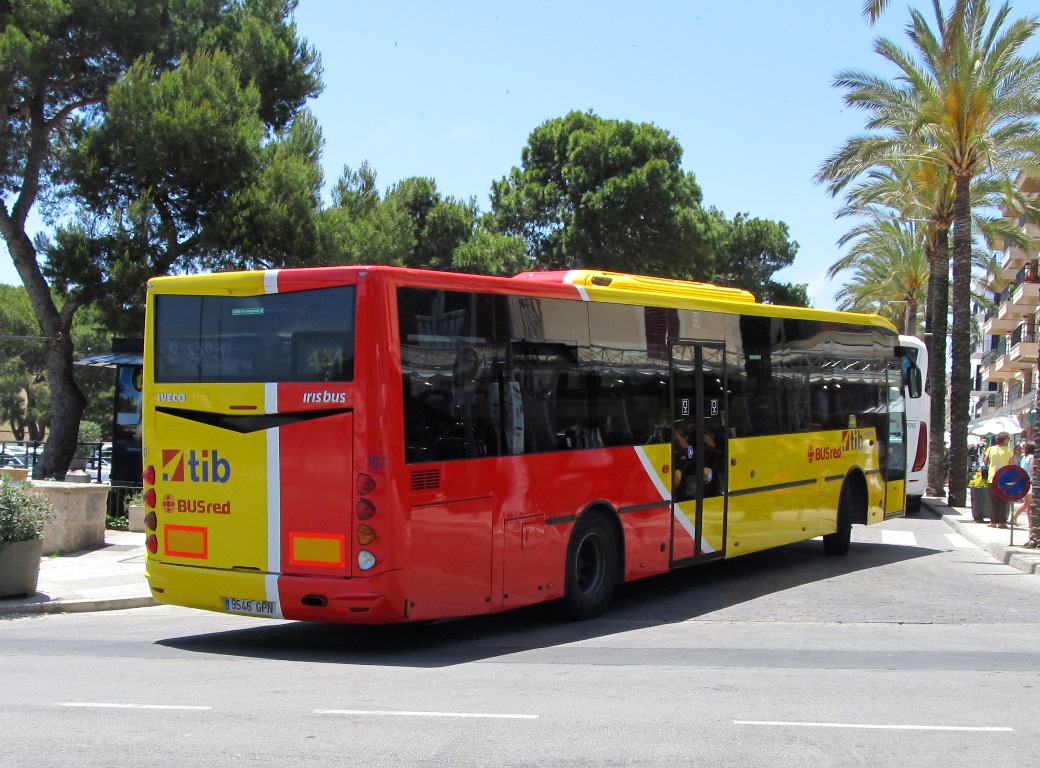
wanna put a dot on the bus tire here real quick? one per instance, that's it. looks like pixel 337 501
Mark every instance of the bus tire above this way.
pixel 837 543
pixel 592 568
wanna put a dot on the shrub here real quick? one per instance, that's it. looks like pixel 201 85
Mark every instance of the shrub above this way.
pixel 22 512
pixel 89 436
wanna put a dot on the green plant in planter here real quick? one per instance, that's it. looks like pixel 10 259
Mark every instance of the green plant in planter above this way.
pixel 89 436
pixel 23 512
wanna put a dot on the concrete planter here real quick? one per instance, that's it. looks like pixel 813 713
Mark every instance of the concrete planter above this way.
pixel 79 520
pixel 980 504
pixel 20 568
pixel 17 474
pixel 135 512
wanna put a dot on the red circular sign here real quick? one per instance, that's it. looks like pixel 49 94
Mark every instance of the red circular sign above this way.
pixel 1011 483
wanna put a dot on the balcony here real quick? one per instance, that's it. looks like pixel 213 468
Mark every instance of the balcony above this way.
pixel 1025 354
pixel 1003 368
pixel 1013 259
pixel 1025 297
pixel 1002 322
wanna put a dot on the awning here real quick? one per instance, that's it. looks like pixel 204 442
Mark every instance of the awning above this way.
pixel 111 359
pixel 997 425
pixel 125 351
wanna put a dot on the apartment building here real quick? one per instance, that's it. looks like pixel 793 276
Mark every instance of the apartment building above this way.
pixel 1006 367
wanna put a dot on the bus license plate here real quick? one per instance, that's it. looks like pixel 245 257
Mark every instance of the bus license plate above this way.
pixel 251 607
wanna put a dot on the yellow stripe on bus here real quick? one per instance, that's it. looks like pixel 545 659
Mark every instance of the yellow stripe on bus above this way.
pixel 326 549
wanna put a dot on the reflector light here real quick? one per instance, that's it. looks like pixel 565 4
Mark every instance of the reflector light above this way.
pixel 152 543
pixel 149 497
pixel 150 521
pixel 366 534
pixel 365 559
pixel 365 484
pixel 922 448
pixel 365 509
pixel 149 475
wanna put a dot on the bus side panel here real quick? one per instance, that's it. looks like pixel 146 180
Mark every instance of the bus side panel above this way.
pixel 785 488
pixel 544 494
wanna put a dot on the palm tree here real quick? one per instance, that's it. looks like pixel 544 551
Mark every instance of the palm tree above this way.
pixel 968 105
pixel 872 9
pixel 889 271
pixel 921 193
pixel 918 191
pixel 979 110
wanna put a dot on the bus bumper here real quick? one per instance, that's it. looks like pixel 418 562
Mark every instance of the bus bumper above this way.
pixel 377 599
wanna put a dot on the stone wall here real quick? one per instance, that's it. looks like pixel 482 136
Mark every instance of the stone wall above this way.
pixel 80 519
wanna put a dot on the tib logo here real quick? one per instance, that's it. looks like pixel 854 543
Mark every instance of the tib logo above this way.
pixel 202 467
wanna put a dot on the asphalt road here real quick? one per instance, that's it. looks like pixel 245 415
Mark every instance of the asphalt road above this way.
pixel 917 649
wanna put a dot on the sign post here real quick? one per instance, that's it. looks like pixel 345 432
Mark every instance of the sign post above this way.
pixel 1011 483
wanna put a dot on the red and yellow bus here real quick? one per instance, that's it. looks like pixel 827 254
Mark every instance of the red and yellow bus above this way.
pixel 378 444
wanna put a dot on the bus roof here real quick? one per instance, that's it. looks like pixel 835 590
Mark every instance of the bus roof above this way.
pixel 621 288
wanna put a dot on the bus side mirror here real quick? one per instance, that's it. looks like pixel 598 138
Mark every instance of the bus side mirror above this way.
pixel 914 386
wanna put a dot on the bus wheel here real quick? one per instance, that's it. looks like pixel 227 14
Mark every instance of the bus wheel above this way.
pixel 592 564
pixel 837 543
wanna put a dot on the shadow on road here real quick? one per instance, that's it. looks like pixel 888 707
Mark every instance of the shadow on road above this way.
pixel 675 597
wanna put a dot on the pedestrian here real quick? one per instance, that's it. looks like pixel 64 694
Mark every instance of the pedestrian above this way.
pixel 1026 505
pixel 998 455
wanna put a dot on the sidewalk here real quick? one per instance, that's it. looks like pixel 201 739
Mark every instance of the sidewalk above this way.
pixel 104 579
pixel 112 577
pixel 995 541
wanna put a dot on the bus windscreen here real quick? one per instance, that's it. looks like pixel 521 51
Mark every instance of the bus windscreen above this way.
pixel 303 336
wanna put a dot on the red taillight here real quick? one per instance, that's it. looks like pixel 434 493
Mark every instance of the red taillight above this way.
pixel 152 543
pixel 149 475
pixel 365 509
pixel 922 448
pixel 149 497
pixel 365 484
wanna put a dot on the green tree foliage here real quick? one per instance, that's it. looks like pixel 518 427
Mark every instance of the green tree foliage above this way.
pixel 605 194
pixel 889 273
pixel 748 254
pixel 24 394
pixel 413 225
pixel 23 363
pixel 168 128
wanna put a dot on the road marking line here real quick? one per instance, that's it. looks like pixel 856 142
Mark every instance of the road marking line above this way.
pixel 899 538
pixel 957 540
pixel 404 713
pixel 105 705
pixel 873 726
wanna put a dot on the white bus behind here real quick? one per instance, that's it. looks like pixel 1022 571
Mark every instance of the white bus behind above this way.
pixel 918 410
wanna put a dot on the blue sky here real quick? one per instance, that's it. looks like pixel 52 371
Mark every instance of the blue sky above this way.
pixel 451 90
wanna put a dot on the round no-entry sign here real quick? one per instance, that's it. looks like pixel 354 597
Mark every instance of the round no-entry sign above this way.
pixel 1011 483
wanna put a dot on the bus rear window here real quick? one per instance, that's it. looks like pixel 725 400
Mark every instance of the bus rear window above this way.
pixel 295 336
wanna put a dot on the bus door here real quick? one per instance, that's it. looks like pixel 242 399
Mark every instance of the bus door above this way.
pixel 700 458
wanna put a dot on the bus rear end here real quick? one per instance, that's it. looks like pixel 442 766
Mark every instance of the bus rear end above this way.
pixel 251 487
pixel 918 411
